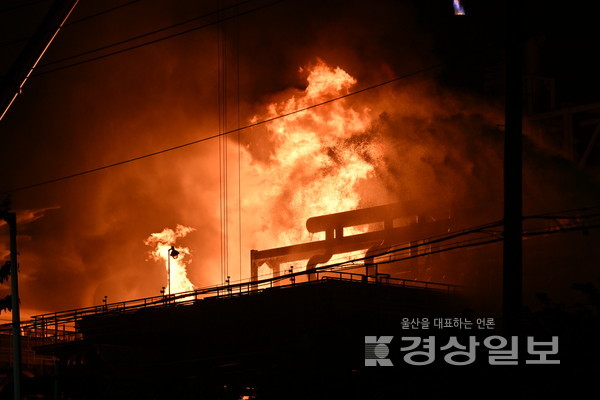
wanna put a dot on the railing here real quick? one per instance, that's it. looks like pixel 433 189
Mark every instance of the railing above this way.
pixel 62 326
pixel 386 279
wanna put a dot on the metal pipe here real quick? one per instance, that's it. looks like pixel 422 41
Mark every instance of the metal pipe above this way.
pixel 168 273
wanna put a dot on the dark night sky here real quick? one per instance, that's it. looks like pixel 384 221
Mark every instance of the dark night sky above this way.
pixel 88 239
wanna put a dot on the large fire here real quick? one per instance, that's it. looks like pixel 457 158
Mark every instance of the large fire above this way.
pixel 318 160
pixel 175 262
pixel 335 157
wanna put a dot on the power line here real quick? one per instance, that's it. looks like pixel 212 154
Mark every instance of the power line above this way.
pixel 82 19
pixel 475 242
pixel 173 35
pixel 102 12
pixel 239 142
pixel 131 39
pixel 253 125
pixel 71 315
pixel 441 248
pixel 223 164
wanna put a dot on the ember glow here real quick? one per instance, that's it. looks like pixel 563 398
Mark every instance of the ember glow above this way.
pixel 161 243
pixel 458 8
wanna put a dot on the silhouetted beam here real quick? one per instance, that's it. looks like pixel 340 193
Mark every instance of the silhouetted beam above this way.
pixel 349 243
pixel 386 213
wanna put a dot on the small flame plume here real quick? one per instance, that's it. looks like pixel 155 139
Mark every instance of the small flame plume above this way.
pixel 458 8
pixel 161 244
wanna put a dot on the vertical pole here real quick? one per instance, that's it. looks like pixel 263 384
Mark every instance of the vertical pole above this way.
pixel 168 273
pixel 11 220
pixel 56 384
pixel 253 270
pixel 513 178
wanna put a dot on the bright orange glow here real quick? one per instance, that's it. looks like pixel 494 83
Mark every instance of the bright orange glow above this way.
pixel 161 243
pixel 319 159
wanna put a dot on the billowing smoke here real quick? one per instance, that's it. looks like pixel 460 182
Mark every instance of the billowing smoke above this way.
pixel 412 143
pixel 401 144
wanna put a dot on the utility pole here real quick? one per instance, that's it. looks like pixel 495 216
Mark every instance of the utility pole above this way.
pixel 512 276
pixel 11 85
pixel 11 220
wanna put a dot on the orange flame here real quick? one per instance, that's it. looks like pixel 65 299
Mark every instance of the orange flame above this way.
pixel 177 267
pixel 319 159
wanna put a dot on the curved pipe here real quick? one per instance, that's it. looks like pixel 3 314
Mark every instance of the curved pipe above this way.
pixel 370 265
pixel 315 260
